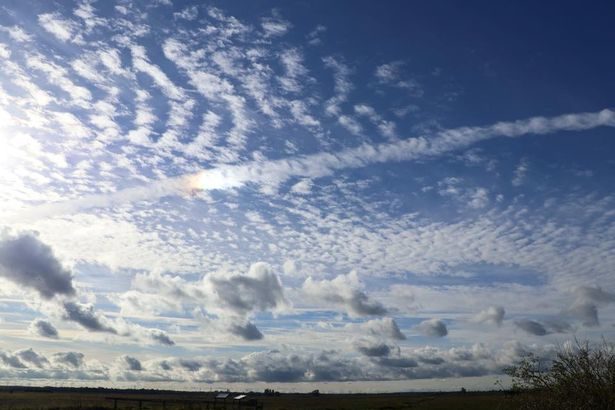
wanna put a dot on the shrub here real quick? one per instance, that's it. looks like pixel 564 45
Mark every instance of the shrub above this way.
pixel 581 376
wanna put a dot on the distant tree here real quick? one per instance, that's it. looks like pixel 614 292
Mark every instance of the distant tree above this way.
pixel 580 377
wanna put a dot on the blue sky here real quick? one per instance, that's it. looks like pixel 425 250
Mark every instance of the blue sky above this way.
pixel 345 195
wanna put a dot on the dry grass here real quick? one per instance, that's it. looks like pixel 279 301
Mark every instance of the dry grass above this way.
pixel 96 400
pixel 436 401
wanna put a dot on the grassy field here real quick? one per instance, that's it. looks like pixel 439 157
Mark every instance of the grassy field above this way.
pixel 78 399
pixel 435 401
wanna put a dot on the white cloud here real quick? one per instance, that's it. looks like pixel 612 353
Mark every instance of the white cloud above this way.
pixel 275 26
pixel 342 85
pixel 111 59
pixel 60 27
pixel 388 72
pixel 350 124
pixel 474 197
pixel 5 52
pixel 344 291
pixel 86 12
pixel 385 327
pixel 296 73
pixel 189 13
pixel 391 74
pixel 520 172
pixel 303 187
pixel 59 76
pixel 493 314
pixel 142 63
pixel 17 34
pixel 314 35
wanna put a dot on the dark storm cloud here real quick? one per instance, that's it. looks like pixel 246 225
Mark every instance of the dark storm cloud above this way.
pixel 44 328
pixel 585 305
pixel 372 348
pixel 86 316
pixel 431 360
pixel 72 359
pixel 164 365
pixel 27 261
pixel 402 362
pixel 260 289
pixel 360 304
pixel 161 337
pixel 190 365
pixel 587 313
pixel 246 331
pixel 557 325
pixel 10 360
pixel 131 363
pixel 594 294
pixel 30 356
pixel 532 327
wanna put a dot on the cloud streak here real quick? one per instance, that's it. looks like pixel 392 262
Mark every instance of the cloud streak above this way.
pixel 325 163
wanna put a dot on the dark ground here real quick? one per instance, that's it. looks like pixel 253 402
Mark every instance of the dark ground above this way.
pixel 42 398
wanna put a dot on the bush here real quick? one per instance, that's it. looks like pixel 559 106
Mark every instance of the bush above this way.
pixel 579 377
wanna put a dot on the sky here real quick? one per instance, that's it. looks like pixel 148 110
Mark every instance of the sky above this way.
pixel 349 195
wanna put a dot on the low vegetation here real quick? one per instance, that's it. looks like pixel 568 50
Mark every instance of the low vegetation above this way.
pixel 580 376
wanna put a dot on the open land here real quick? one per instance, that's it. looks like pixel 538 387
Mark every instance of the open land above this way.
pixel 52 398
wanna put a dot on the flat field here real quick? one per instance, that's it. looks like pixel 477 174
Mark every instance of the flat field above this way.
pixel 46 399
